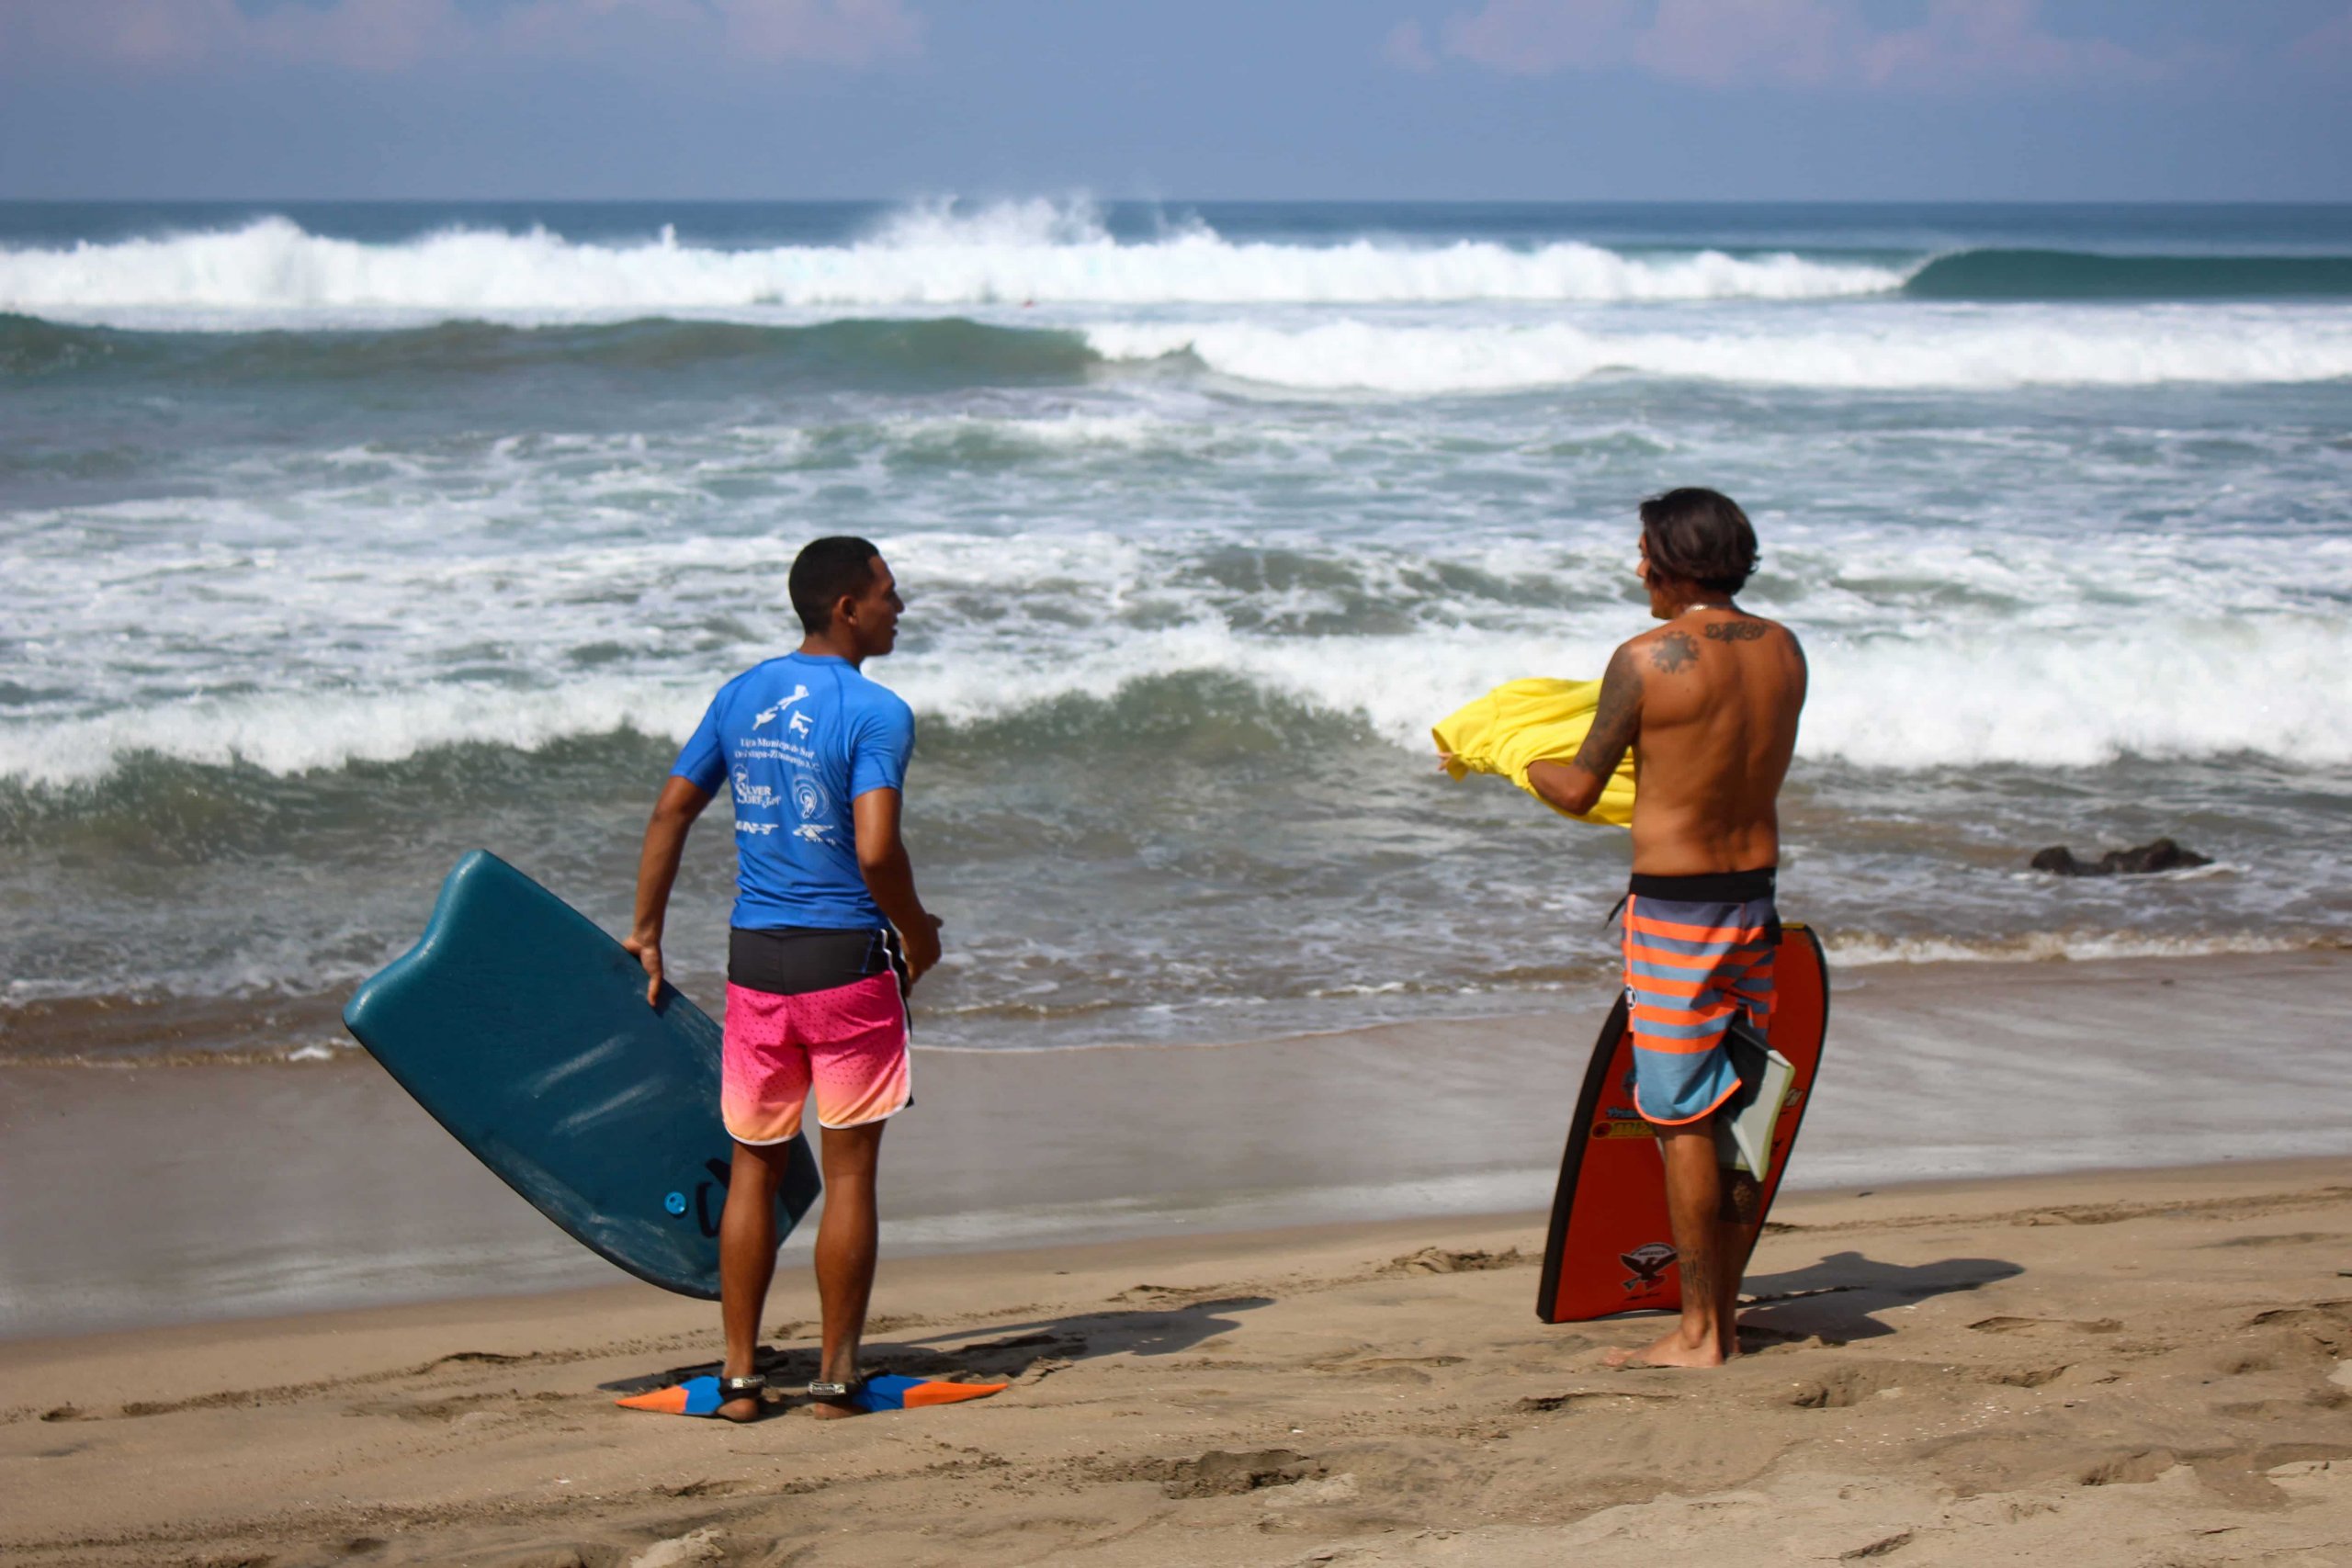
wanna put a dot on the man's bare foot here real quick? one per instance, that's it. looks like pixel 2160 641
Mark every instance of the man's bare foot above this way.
pixel 747 1408
pixel 1670 1351
pixel 824 1411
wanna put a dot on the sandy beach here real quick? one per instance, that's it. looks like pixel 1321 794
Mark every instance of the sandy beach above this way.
pixel 1277 1310
pixel 2110 1368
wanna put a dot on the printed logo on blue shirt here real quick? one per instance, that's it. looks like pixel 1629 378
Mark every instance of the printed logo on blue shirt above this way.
pixel 816 733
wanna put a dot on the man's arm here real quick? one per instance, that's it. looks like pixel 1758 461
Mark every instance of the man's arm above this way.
pixel 657 867
pixel 890 877
pixel 1575 786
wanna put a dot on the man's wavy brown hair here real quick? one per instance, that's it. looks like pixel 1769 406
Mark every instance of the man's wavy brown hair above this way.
pixel 1701 536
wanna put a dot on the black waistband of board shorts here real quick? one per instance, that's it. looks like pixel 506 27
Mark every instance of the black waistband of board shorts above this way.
pixel 1711 888
pixel 789 961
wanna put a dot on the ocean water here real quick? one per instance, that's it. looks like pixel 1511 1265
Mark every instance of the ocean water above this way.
pixel 337 540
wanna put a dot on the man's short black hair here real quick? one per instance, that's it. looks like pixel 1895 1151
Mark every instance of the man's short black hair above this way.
pixel 826 572
pixel 1701 536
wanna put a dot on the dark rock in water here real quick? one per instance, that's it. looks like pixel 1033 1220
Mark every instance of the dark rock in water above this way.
pixel 2160 854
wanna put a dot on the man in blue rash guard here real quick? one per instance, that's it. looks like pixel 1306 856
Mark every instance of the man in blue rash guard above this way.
pixel 815 756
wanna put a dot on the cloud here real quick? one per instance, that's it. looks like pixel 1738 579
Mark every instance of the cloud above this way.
pixel 2327 45
pixel 1408 48
pixel 1721 41
pixel 387 36
pixel 1782 42
pixel 847 32
pixel 1982 39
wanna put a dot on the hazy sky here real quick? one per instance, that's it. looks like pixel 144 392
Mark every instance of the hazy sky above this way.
pixel 1562 99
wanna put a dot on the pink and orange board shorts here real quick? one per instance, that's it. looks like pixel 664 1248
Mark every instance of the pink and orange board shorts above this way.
pixel 846 1047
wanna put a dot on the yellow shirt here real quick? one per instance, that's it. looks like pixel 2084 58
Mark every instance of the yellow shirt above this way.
pixel 1523 722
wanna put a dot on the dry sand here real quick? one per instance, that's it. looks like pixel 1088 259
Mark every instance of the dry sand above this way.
pixel 2098 1369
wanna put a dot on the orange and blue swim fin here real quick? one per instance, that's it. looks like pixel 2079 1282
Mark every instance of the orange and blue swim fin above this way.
pixel 695 1396
pixel 700 1396
pixel 888 1393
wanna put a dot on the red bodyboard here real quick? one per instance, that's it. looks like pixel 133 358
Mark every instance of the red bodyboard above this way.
pixel 1610 1248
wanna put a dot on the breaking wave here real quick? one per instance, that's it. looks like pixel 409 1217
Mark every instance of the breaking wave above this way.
pixel 1889 353
pixel 1023 252
pixel 1978 353
pixel 2045 700
pixel 2075 275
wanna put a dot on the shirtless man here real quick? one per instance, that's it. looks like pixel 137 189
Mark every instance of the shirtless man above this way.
pixel 1709 704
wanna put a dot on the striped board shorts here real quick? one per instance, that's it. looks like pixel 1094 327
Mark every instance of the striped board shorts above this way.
pixel 1698 950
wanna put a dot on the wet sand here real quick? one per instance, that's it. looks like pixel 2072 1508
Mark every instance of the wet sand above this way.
pixel 2100 1369
pixel 156 1194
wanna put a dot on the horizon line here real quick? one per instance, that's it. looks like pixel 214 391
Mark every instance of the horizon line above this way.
pixel 1178 201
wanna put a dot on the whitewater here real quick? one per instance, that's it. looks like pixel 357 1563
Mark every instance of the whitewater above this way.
pixel 1023 254
pixel 357 642
pixel 337 541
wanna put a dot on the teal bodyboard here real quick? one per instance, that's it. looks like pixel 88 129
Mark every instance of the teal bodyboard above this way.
pixel 524 1029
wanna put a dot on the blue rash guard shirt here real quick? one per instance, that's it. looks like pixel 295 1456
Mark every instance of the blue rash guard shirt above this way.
pixel 797 738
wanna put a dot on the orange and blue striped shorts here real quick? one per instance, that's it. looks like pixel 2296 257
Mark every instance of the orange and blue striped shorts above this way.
pixel 1698 950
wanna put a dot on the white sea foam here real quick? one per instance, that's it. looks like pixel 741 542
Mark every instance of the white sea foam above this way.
pixel 1854 950
pixel 377 622
pixel 293 732
pixel 1967 348
pixel 2184 689
pixel 1065 432
pixel 1010 255
pixel 2028 699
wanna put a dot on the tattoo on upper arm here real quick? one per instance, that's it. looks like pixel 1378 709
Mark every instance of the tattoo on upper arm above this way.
pixel 1736 631
pixel 1618 719
pixel 1674 651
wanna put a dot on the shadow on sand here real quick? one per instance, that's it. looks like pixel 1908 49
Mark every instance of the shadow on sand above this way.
pixel 1837 1299
pixel 1007 1352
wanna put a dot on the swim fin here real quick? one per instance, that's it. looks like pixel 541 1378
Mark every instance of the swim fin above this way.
pixel 695 1396
pixel 885 1391
pixel 699 1396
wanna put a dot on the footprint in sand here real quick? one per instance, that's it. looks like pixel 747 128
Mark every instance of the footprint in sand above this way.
pixel 2047 1325
pixel 1437 1260
pixel 2329 1323
pixel 1846 1387
pixel 1221 1474
pixel 1551 1404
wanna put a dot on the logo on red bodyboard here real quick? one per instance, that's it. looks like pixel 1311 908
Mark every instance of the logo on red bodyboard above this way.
pixel 1647 1262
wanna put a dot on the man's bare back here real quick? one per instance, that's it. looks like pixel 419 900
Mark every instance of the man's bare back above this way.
pixel 1709 704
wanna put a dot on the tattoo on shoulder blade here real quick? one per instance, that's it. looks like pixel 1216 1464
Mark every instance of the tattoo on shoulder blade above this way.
pixel 1674 651
pixel 1736 631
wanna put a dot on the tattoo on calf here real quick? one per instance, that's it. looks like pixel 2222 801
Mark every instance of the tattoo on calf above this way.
pixel 1698 1274
pixel 1674 651
pixel 1743 1199
pixel 1736 631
